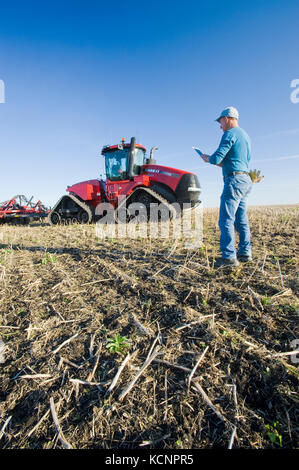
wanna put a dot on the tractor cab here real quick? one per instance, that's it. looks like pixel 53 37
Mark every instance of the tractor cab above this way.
pixel 123 161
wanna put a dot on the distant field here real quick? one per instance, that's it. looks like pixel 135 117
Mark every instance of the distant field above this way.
pixel 216 345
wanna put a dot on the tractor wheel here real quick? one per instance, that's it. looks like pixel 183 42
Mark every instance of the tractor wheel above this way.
pixel 83 217
pixel 144 198
pixel 55 218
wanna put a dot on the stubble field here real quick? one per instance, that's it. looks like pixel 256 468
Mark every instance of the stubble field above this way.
pixel 208 357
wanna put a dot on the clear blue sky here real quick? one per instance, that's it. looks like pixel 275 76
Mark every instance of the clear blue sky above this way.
pixel 81 74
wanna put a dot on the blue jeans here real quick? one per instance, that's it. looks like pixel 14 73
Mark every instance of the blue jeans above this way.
pixel 233 215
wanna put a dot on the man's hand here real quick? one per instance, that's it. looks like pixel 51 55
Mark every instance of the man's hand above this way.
pixel 205 158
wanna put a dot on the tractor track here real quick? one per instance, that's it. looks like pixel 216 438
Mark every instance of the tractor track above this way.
pixel 77 201
pixel 154 194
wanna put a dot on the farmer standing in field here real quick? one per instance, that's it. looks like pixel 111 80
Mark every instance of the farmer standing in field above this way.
pixel 233 155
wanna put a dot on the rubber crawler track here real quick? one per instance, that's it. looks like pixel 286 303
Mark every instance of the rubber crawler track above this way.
pixel 80 203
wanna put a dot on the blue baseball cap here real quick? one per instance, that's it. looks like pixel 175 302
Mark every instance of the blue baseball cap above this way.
pixel 229 112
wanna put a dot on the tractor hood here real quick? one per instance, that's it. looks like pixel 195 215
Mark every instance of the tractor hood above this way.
pixel 86 190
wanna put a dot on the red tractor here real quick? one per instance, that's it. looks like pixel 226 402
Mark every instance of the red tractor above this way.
pixel 130 177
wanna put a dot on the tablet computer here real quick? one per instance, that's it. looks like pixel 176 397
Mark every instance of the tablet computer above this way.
pixel 198 151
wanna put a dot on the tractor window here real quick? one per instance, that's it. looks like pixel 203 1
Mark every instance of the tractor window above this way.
pixel 116 165
pixel 138 161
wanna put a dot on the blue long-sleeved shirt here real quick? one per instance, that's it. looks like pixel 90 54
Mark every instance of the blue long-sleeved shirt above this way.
pixel 234 151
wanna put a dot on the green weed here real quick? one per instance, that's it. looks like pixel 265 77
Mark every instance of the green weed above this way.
pixel 21 310
pixel 266 301
pixel 273 433
pixel 118 344
pixel 291 308
pixel 48 259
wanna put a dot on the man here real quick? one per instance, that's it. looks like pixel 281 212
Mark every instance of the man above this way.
pixel 116 170
pixel 233 155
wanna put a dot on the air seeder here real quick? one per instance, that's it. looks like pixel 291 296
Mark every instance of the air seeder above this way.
pixel 20 210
